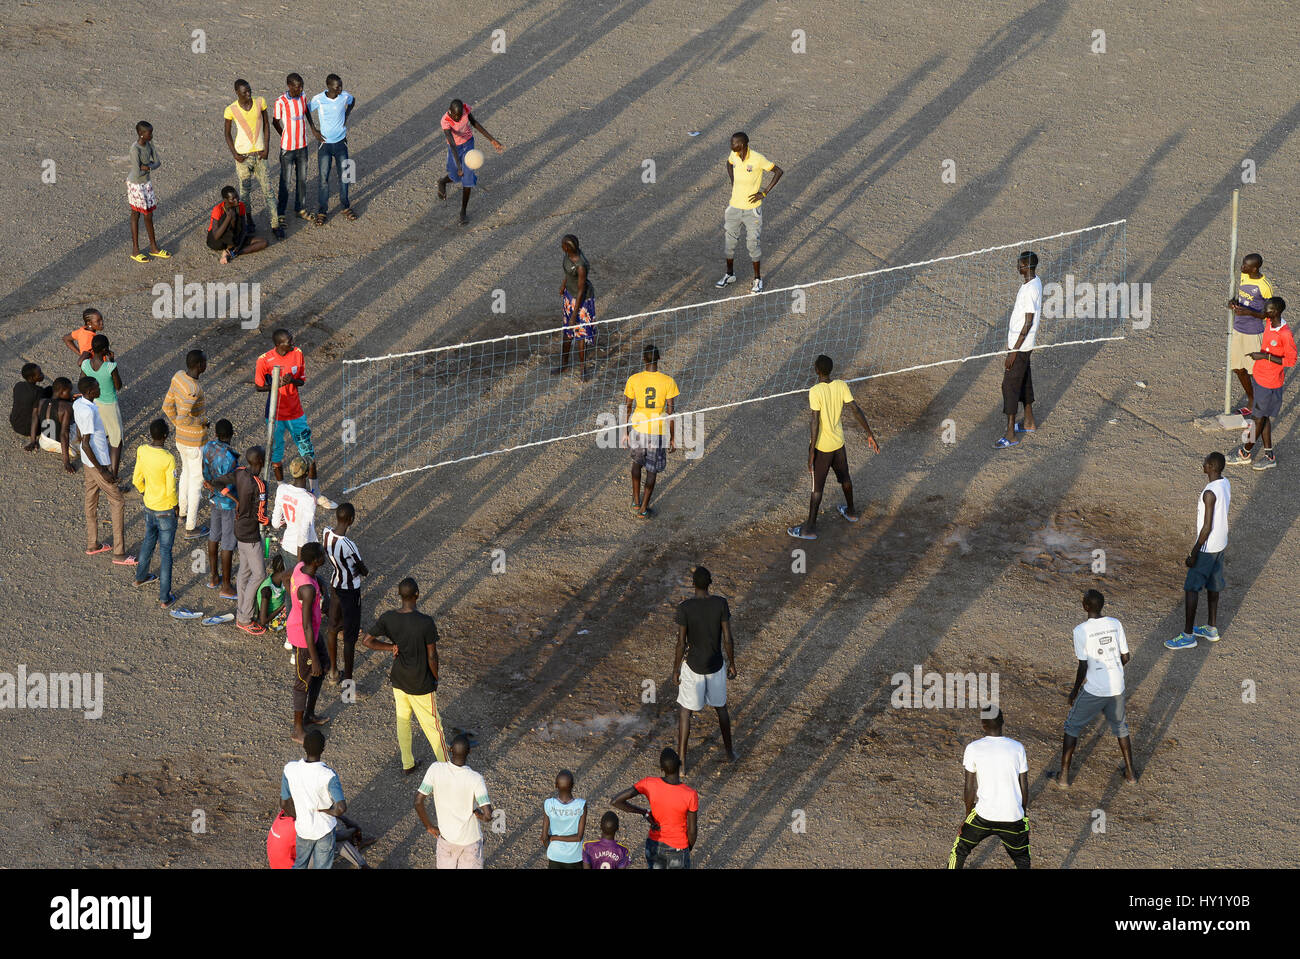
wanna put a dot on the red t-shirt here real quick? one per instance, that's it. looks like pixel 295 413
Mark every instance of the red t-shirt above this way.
pixel 1278 342
pixel 669 805
pixel 219 211
pixel 460 129
pixel 292 365
pixel 282 843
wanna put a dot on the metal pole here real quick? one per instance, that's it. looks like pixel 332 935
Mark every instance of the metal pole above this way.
pixel 273 403
pixel 1233 275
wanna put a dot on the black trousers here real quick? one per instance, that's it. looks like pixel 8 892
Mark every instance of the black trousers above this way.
pixel 1014 836
pixel 345 614
pixel 1017 385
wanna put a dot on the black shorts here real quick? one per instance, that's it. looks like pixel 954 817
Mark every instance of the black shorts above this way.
pixel 1017 385
pixel 232 239
pixel 823 463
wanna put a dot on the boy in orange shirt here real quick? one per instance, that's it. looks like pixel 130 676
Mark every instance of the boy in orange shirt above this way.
pixel 1276 355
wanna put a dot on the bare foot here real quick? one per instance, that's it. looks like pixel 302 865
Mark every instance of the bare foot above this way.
pixel 299 736
pixel 731 755
pixel 1059 778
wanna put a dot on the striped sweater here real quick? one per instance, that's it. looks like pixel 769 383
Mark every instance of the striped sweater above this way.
pixel 187 409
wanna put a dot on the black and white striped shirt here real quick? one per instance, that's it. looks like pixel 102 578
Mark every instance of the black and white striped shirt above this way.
pixel 344 560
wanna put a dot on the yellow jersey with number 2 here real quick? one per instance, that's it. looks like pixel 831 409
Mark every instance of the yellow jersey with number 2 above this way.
pixel 651 391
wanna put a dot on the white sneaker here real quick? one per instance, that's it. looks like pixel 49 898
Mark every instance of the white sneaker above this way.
pixel 726 278
pixel 324 502
pixel 288 645
pixel 757 287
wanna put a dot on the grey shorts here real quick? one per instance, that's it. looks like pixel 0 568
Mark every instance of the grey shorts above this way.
pixel 1085 710
pixel 1207 574
pixel 1268 402
pixel 649 452
pixel 752 220
pixel 221 528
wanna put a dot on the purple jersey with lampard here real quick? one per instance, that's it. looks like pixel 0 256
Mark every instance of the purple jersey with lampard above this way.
pixel 605 854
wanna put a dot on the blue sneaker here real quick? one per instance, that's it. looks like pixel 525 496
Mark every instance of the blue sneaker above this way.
pixel 1181 641
pixel 1206 632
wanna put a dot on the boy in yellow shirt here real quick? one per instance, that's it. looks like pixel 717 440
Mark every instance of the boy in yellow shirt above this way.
pixel 155 477
pixel 650 406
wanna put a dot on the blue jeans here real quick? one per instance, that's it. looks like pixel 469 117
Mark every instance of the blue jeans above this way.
pixel 315 853
pixel 659 856
pixel 160 531
pixel 334 154
pixel 299 160
pixel 301 438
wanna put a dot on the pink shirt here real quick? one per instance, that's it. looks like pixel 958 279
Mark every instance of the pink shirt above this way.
pixel 293 624
pixel 461 132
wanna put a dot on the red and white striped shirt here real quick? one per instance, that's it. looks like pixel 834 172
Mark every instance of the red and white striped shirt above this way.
pixel 290 112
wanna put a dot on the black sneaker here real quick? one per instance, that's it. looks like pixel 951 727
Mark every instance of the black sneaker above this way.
pixel 278 231
pixel 196 532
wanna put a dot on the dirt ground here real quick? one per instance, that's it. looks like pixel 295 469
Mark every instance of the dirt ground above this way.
pixel 968 559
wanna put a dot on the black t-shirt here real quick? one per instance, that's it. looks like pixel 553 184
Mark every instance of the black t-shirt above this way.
pixel 703 617
pixel 412 632
pixel 26 396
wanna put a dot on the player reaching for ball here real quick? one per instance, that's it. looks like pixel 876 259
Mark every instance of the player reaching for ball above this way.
pixel 827 399
pixel 456 127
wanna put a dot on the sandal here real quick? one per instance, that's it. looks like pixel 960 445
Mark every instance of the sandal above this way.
pixel 318 219
pixel 442 192
pixel 161 254
pixel 348 214
pixel 125 561
pixel 140 257
pixel 101 548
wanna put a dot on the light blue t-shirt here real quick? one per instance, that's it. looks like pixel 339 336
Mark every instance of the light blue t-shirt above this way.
pixel 564 821
pixel 331 114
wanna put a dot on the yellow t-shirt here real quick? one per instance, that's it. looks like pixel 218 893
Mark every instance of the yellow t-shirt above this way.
pixel 155 477
pixel 253 119
pixel 652 391
pixel 747 177
pixel 829 399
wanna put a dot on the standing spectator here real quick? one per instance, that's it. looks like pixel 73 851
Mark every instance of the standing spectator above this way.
pixel 186 407
pixel 229 228
pixel 564 820
pixel 996 796
pixel 826 451
pixel 651 401
pixel 139 191
pixel 412 638
pixel 102 365
pixel 295 512
pixel 345 589
pixel 578 306
pixel 1253 290
pixel 289 415
pixel 1102 651
pixel 1205 562
pixel 456 127
pixel 699 667
pixel 745 169
pixel 247 138
pixel 1277 354
pixel 303 632
pixel 155 478
pixel 606 852
pixel 333 106
pixel 92 322
pixel 28 394
pixel 1022 336
pixel 310 791
pixel 99 474
pixel 245 486
pixel 672 814
pixel 54 414
pixel 292 120
pixel 460 801
pixel 220 459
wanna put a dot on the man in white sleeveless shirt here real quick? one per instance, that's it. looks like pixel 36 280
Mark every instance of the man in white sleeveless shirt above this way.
pixel 1205 564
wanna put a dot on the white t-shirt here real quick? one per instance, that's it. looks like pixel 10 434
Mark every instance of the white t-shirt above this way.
pixel 997 763
pixel 456 790
pixel 1217 541
pixel 1029 299
pixel 309 786
pixel 1101 641
pixel 89 423
pixel 295 509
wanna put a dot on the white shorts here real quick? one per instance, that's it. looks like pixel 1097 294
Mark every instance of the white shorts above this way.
pixel 694 691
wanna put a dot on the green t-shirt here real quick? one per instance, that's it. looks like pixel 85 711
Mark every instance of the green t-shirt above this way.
pixel 104 375
pixel 277 594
